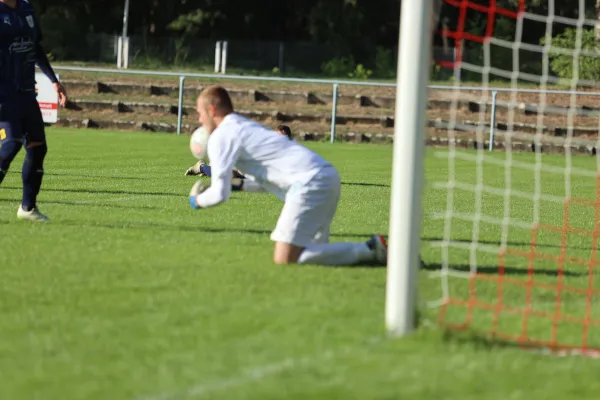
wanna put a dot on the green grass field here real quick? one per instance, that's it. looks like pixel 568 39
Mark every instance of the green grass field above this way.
pixel 129 294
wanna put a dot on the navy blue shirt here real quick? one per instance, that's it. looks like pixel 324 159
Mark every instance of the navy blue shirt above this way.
pixel 20 49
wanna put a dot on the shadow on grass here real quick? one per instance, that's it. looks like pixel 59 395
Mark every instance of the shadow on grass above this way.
pixel 365 184
pixel 145 225
pixel 87 204
pixel 480 341
pixel 495 270
pixel 172 227
pixel 97 191
pixel 483 342
pixel 136 193
pixel 129 178
pixel 488 342
pixel 510 243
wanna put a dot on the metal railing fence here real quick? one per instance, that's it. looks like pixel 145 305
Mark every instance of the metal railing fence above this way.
pixel 335 86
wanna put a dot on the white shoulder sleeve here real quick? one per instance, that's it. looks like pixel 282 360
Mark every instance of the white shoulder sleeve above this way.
pixel 223 151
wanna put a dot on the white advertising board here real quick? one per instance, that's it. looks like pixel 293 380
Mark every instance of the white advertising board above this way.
pixel 47 98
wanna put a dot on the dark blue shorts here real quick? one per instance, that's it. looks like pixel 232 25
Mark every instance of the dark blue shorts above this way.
pixel 21 119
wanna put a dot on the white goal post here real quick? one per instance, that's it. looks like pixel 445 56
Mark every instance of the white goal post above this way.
pixel 414 55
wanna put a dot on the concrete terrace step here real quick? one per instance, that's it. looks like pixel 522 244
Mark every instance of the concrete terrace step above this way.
pixel 516 145
pixel 471 128
pixel 166 109
pixel 520 142
pixel 531 129
pixel 318 132
pixel 519 107
pixel 170 109
pixel 236 94
pixel 307 99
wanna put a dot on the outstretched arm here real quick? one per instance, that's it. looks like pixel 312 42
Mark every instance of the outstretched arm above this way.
pixel 223 150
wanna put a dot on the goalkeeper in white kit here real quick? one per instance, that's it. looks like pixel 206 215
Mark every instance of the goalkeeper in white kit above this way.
pixel 308 185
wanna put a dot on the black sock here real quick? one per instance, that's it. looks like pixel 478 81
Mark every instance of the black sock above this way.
pixel 32 182
pixel 32 175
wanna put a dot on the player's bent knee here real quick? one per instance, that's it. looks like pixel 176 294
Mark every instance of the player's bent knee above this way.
pixel 36 152
pixel 286 253
pixel 32 145
pixel 38 148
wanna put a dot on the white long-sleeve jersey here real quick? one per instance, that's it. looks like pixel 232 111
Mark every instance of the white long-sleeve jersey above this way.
pixel 272 160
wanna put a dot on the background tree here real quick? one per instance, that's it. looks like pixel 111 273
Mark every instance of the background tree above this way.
pixel 362 31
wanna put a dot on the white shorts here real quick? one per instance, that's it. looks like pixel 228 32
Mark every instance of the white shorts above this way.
pixel 309 209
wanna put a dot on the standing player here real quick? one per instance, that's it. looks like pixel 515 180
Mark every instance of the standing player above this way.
pixel 308 184
pixel 21 122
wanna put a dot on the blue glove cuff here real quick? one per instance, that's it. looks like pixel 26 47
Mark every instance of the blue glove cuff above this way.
pixel 193 202
pixel 206 170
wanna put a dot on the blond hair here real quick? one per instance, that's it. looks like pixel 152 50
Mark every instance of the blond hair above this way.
pixel 218 97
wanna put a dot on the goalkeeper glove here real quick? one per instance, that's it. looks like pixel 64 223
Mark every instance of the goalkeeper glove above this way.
pixel 197 189
pixel 237 184
pixel 196 169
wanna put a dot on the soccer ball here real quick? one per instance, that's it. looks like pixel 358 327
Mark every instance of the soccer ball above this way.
pixel 199 144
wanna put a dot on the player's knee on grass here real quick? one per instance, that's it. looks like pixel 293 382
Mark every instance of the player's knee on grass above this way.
pixel 286 253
